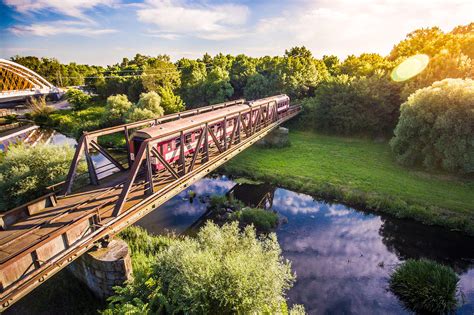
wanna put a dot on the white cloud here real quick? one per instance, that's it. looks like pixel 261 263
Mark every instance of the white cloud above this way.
pixel 57 28
pixel 344 27
pixel 73 8
pixel 213 22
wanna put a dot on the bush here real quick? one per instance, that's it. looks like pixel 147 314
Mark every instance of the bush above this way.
pixel 137 114
pixel 39 110
pixel 221 271
pixel 425 286
pixel 436 127
pixel 347 105
pixel 263 220
pixel 170 102
pixel 73 123
pixel 78 99
pixel 25 172
pixel 151 101
pixel 118 106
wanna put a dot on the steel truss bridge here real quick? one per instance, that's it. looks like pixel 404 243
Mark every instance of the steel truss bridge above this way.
pixel 17 82
pixel 41 237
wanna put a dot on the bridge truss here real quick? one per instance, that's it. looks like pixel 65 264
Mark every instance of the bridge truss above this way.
pixel 42 237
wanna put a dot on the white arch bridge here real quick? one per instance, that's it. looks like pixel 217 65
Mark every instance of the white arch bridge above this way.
pixel 17 82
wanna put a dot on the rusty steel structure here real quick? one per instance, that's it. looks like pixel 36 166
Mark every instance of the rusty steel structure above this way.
pixel 43 236
pixel 17 81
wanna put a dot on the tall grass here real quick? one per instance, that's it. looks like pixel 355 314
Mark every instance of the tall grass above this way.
pixel 425 286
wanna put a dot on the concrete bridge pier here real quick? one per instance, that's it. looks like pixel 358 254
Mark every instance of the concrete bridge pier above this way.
pixel 103 268
pixel 277 138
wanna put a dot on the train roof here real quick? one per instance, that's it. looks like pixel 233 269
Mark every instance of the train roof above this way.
pixel 177 125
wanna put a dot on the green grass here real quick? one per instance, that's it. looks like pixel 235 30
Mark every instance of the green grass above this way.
pixel 425 286
pixel 263 220
pixel 361 173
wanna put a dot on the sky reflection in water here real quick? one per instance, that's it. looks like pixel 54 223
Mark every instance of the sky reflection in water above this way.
pixel 342 257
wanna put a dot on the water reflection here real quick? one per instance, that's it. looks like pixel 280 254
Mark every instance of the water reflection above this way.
pixel 342 257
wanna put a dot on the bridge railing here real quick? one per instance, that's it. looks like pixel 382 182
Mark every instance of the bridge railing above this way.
pixel 88 142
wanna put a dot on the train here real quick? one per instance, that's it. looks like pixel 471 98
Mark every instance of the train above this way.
pixel 169 148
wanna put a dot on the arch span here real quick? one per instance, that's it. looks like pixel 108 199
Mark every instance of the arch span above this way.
pixel 17 81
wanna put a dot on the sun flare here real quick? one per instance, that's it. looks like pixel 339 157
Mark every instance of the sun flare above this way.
pixel 410 67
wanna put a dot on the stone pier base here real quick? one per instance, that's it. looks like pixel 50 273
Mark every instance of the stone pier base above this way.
pixel 103 268
pixel 278 138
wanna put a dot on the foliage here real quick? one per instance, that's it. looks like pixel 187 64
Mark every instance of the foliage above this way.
pixel 222 270
pixel 151 101
pixel 242 68
pixel 436 127
pixel 258 86
pixel 170 102
pixel 364 65
pixel 137 114
pixel 39 110
pixel 160 73
pixel 217 86
pixel 58 74
pixel 360 173
pixel 74 123
pixel 77 98
pixel 425 286
pixel 118 106
pixel 25 172
pixel 220 203
pixel 263 220
pixel 348 105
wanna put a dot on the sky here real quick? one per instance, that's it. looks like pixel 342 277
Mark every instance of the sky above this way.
pixel 102 32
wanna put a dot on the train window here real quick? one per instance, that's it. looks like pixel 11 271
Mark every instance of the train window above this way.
pixel 169 146
pixel 187 138
pixel 178 142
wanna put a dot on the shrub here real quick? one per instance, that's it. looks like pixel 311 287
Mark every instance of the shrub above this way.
pixel 78 99
pixel 347 105
pixel 263 220
pixel 25 172
pixel 436 127
pixel 137 114
pixel 151 102
pixel 118 106
pixel 221 271
pixel 39 110
pixel 425 286
pixel 170 102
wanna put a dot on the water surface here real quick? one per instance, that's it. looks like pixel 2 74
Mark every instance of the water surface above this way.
pixel 342 257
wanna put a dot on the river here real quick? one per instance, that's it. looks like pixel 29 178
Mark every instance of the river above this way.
pixel 342 256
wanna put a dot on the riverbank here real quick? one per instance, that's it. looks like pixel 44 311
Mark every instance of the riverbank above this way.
pixel 360 173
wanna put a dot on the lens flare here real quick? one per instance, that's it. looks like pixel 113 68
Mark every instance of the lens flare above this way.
pixel 410 68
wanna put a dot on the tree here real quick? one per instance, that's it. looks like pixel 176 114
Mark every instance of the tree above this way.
pixel 428 41
pixel 351 105
pixel 193 77
pixel 365 65
pixel 170 102
pixel 78 99
pixel 160 72
pixel 117 106
pixel 220 271
pixel 151 101
pixel 436 127
pixel 242 68
pixel 137 114
pixel 217 86
pixel 258 86
pixel 332 64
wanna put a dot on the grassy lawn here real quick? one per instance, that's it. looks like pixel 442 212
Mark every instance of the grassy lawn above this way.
pixel 361 173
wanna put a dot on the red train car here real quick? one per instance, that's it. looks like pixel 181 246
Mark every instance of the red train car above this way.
pixel 170 147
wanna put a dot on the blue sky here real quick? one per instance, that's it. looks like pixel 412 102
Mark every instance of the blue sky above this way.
pixel 103 31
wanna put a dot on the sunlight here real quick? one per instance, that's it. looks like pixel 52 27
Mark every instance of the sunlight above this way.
pixel 410 68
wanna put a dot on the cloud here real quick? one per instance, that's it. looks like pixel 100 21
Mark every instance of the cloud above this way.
pixel 212 22
pixel 73 8
pixel 57 28
pixel 343 27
